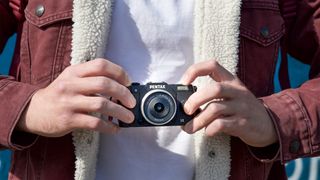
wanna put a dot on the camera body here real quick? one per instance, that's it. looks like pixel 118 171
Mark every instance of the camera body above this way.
pixel 160 104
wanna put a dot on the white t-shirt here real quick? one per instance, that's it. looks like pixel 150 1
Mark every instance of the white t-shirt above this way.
pixel 153 41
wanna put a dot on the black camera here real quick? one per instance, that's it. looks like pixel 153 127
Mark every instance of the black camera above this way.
pixel 160 104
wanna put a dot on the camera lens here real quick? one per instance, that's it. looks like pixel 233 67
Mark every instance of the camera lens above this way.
pixel 158 107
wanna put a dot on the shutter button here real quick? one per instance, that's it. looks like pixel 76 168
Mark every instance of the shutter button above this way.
pixel 264 31
pixel 211 154
pixel 39 10
pixel 294 146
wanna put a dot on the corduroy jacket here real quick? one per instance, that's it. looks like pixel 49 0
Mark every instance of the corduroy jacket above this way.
pixel 43 50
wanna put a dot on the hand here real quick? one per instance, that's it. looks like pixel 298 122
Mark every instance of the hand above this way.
pixel 231 108
pixel 67 103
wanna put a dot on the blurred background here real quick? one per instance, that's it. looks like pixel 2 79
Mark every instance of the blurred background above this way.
pixel 308 168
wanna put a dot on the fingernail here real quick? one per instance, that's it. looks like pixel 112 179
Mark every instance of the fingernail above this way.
pixel 188 128
pixel 187 108
pixel 132 102
pixel 131 117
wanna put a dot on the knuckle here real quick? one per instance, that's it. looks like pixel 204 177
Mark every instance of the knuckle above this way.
pixel 113 87
pixel 220 125
pixel 119 91
pixel 237 81
pixel 99 104
pixel 121 71
pixel 62 86
pixel 218 89
pixel 124 92
pixel 213 64
pixel 100 62
pixel 99 65
pixel 192 70
pixel 212 108
pixel 93 124
pixel 101 83
pixel 121 74
pixel 69 71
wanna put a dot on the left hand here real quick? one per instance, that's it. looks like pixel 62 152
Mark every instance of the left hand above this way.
pixel 231 108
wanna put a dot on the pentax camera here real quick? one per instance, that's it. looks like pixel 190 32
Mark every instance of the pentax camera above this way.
pixel 160 104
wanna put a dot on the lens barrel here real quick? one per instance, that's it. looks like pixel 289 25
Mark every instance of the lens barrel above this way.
pixel 158 107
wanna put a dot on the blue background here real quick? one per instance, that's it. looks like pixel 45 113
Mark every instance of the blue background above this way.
pixel 308 168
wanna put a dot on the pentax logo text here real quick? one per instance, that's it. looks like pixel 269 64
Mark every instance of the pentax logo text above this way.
pixel 157 86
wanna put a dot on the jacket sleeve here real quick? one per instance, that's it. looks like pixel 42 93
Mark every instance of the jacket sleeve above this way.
pixel 14 96
pixel 7 23
pixel 296 112
pixel 296 116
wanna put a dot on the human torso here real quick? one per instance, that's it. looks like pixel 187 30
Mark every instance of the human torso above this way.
pixel 45 52
pixel 152 41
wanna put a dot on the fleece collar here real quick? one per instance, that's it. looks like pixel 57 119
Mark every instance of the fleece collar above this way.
pixel 216 36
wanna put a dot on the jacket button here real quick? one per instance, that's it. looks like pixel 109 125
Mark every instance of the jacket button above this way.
pixel 211 154
pixel 39 10
pixel 294 146
pixel 264 31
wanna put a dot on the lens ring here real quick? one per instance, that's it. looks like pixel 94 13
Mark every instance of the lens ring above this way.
pixel 144 99
pixel 163 100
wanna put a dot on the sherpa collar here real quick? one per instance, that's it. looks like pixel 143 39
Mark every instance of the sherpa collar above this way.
pixel 216 34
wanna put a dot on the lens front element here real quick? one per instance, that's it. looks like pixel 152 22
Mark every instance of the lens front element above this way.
pixel 158 107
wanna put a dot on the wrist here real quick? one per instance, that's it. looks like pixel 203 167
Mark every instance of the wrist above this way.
pixel 274 135
pixel 23 123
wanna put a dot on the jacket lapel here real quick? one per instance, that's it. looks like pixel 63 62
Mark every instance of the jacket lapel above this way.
pixel 90 30
pixel 216 36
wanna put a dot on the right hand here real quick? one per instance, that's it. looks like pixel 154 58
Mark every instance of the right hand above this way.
pixel 68 102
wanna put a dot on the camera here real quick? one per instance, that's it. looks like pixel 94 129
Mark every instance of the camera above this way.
pixel 160 104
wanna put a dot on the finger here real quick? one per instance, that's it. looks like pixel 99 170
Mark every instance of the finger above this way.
pixel 114 100
pixel 110 118
pixel 211 68
pixel 205 95
pixel 104 86
pixel 102 67
pixel 211 112
pixel 224 124
pixel 104 106
pixel 84 121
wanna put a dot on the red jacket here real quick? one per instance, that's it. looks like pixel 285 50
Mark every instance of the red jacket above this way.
pixel 43 51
